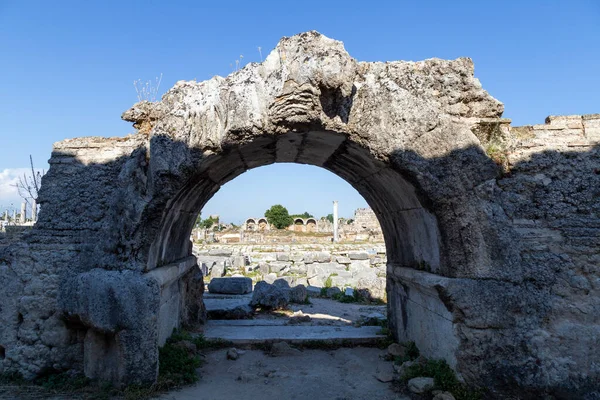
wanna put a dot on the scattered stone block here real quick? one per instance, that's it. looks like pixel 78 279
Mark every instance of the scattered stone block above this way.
pixel 283 257
pixel 332 291
pixel 358 255
pixel 270 296
pixel 246 377
pixel 278 266
pixel 243 311
pixel 298 294
pixel 343 260
pixel 233 285
pixel 313 291
pixel 270 278
pixel 220 252
pixel 283 349
pixel 239 262
pixel 385 376
pixel 318 256
pixel 372 319
pixel 218 270
pixel 232 354
pixel 420 384
pixel 264 268
pixel 396 350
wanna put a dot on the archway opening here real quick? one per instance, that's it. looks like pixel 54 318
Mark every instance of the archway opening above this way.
pixel 333 284
pixel 250 224
pixel 263 224
pixel 311 225
pixel 298 225
pixel 410 230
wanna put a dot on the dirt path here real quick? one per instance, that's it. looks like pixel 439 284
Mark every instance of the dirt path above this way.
pixel 343 374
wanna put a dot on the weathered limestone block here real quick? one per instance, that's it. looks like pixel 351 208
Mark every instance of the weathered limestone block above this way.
pixel 230 285
pixel 358 255
pixel 342 260
pixel 283 257
pixel 298 294
pixel 218 270
pixel 220 252
pixel 108 303
pixel 278 266
pixel 239 262
pixel 317 257
pixel 194 311
pixel 372 287
pixel 270 296
pixel 359 266
pixel 264 268
pixel 270 278
pixel 591 127
pixel 299 268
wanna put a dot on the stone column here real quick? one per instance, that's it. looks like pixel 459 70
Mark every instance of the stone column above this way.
pixel 335 221
pixel 6 216
pixel 14 216
pixel 23 212
pixel 34 211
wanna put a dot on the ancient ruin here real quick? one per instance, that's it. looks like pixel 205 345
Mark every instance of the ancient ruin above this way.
pixel 358 266
pixel 363 227
pixel 491 231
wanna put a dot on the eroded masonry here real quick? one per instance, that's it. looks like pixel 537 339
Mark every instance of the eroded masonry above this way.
pixel 492 232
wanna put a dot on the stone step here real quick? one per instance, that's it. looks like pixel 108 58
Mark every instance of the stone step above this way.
pixel 248 322
pixel 245 333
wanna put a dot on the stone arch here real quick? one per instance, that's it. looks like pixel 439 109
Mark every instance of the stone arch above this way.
pixel 298 225
pixel 250 224
pixel 415 237
pixel 414 159
pixel 403 134
pixel 263 224
pixel 311 225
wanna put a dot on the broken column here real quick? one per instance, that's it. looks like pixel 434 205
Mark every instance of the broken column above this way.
pixel 34 211
pixel 335 221
pixel 23 212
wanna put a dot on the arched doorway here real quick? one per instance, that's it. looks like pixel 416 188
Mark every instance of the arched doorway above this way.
pixel 263 224
pixel 311 225
pixel 250 224
pixel 299 225
pixel 402 134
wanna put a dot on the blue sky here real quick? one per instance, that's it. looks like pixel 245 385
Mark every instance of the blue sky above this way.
pixel 67 67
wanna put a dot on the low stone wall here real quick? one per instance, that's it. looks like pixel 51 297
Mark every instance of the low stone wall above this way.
pixel 319 266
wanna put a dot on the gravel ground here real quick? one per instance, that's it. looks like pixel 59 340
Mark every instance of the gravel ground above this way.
pixel 342 374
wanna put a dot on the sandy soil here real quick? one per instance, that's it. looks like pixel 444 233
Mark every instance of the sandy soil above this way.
pixel 343 374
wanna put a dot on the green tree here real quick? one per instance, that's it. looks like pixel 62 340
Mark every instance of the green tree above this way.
pixel 205 223
pixel 278 216
pixel 305 215
pixel 329 218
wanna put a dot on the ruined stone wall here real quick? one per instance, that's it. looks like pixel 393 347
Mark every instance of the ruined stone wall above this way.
pixel 73 234
pixel 491 232
pixel 549 192
pixel 365 219
pixel 357 266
